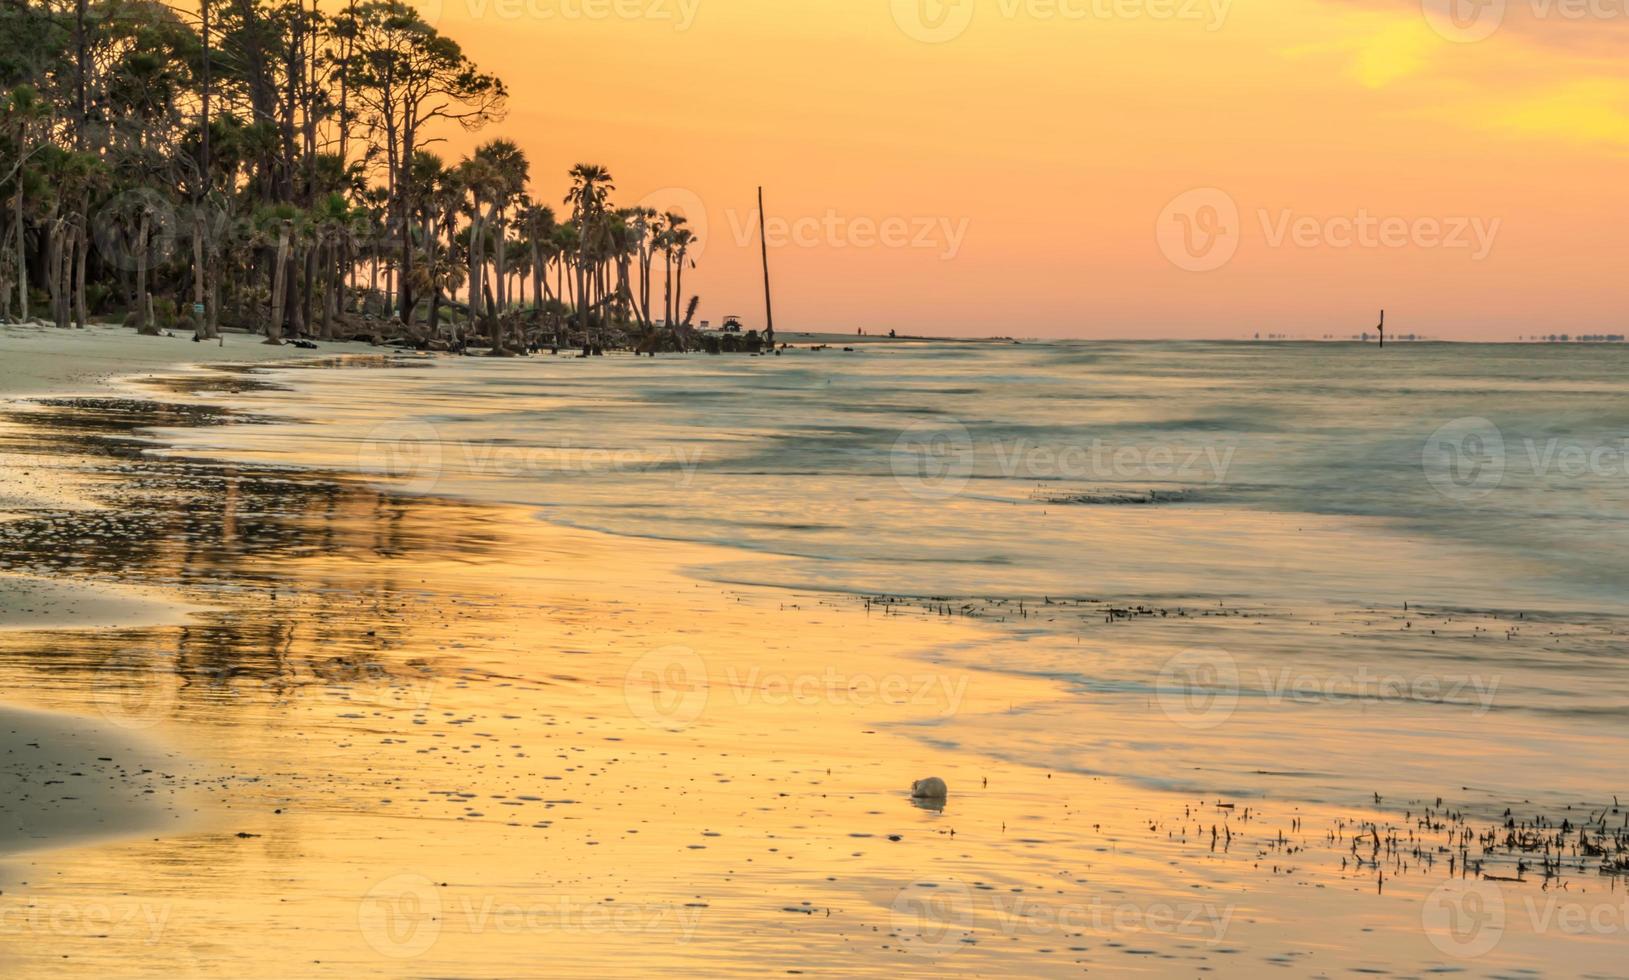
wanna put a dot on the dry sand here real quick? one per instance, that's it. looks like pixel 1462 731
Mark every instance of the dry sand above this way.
pixel 37 360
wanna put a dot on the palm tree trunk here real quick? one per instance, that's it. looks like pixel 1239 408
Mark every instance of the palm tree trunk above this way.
pixel 299 294
pixel 22 261
pixel 347 276
pixel 678 289
pixel 537 282
pixel 330 296
pixel 143 319
pixel 82 256
pixel 667 291
pixel 274 329
pixel 582 277
pixel 500 272
pixel 475 236
pixel 53 269
pixel 309 293
pixel 198 277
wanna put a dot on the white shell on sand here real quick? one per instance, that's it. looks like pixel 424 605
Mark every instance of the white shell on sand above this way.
pixel 932 788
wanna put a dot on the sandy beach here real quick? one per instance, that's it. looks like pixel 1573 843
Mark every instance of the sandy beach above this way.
pixel 68 778
pixel 351 730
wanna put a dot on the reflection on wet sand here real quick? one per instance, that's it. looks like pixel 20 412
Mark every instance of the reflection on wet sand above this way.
pixel 437 739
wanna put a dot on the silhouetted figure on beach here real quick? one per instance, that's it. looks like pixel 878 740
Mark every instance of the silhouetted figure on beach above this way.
pixel 1382 329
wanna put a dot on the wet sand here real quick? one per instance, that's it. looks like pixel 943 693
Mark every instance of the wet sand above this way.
pixel 435 739
pixel 68 779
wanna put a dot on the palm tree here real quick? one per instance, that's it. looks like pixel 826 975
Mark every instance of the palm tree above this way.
pixel 538 222
pixel 21 111
pixel 565 246
pixel 590 187
pixel 682 239
pixel 332 220
pixel 478 176
pixel 510 171
pixel 649 225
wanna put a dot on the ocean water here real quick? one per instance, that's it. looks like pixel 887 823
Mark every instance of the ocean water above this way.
pixel 1307 571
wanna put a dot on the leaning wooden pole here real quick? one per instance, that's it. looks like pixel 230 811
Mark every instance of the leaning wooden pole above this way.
pixel 763 242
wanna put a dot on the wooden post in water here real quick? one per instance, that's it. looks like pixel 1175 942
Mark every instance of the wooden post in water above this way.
pixel 763 242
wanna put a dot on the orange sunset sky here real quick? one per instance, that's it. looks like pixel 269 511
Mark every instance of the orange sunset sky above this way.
pixel 1099 168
